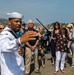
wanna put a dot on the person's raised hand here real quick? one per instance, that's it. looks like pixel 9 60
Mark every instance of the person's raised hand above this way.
pixel 29 35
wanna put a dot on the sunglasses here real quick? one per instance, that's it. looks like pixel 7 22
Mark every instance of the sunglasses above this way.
pixel 1 28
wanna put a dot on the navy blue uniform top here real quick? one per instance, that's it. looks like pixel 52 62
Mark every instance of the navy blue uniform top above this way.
pixel 32 42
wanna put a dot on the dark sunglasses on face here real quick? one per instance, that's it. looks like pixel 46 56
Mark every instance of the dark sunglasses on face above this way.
pixel 1 28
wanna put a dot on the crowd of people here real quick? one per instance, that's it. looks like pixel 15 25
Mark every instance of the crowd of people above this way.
pixel 18 45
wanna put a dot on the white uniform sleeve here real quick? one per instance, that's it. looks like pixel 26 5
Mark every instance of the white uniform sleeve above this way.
pixel 9 44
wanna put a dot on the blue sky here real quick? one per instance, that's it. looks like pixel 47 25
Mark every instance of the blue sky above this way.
pixel 47 11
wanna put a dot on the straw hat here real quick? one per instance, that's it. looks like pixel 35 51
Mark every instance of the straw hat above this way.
pixel 70 25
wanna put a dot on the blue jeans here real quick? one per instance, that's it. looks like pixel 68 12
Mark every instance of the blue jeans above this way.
pixel 72 47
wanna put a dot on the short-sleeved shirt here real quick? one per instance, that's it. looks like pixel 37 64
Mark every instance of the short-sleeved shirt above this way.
pixel 32 42
pixel 72 32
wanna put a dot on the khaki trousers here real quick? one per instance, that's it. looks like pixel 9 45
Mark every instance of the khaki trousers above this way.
pixel 28 56
pixel 72 47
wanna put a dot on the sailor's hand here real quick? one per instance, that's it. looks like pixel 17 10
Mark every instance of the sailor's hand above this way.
pixel 30 35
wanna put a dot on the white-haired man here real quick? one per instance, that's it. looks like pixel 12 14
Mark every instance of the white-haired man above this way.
pixel 31 48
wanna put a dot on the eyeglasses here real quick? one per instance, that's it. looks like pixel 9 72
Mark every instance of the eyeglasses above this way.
pixel 30 23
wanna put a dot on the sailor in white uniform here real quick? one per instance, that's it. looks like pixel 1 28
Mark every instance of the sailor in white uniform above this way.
pixel 12 62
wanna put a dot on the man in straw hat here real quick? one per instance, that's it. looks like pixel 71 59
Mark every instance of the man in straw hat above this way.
pixel 12 62
pixel 72 47
pixel 69 30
